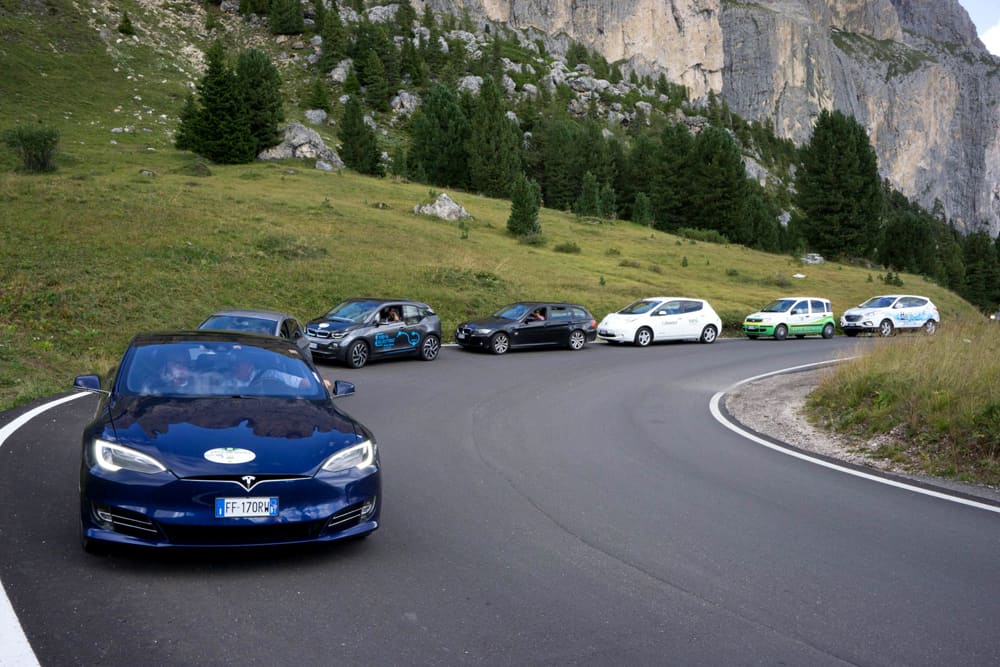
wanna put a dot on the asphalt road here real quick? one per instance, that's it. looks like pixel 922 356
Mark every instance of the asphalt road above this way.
pixel 541 508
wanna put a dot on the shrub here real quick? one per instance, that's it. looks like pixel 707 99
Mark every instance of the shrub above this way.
pixel 125 25
pixel 35 146
pixel 567 247
pixel 706 235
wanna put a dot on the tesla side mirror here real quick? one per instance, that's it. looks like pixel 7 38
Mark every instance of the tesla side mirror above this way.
pixel 87 383
pixel 343 388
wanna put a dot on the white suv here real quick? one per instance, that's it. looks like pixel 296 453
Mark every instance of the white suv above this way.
pixel 885 314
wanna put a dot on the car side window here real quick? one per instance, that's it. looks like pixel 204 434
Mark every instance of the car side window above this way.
pixel 801 308
pixel 672 307
pixel 411 314
pixel 560 313
pixel 692 306
pixel 818 306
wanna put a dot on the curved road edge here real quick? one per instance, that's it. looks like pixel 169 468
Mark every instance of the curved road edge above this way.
pixel 722 416
pixel 16 651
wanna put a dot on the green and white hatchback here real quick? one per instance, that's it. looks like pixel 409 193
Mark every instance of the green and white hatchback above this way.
pixel 797 316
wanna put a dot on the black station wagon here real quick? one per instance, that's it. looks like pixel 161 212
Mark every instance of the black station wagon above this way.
pixel 529 324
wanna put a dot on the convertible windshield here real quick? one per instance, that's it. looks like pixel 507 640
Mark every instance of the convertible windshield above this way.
pixel 779 306
pixel 639 307
pixel 352 311
pixel 513 311
pixel 195 369
pixel 878 302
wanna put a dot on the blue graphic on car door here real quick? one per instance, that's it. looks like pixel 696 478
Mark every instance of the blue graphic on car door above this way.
pixel 394 341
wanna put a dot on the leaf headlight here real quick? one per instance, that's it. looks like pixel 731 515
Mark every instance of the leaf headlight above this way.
pixel 360 455
pixel 112 457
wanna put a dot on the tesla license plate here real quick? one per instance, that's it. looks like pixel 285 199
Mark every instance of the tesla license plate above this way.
pixel 243 507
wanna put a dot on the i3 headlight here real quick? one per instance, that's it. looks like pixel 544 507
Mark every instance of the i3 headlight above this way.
pixel 112 457
pixel 360 455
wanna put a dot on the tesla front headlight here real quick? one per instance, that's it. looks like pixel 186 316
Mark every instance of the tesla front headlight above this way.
pixel 112 457
pixel 357 456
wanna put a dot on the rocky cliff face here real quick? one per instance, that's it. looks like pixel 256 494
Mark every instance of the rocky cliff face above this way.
pixel 911 71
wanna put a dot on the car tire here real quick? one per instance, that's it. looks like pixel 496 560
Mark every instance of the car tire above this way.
pixel 708 334
pixel 577 339
pixel 429 350
pixel 357 354
pixel 828 331
pixel 930 327
pixel 643 337
pixel 885 329
pixel 780 332
pixel 500 343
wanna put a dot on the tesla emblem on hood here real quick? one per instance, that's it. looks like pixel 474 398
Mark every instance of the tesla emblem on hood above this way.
pixel 229 455
pixel 248 481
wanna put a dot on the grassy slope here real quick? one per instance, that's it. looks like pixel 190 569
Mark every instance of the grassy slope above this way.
pixel 97 250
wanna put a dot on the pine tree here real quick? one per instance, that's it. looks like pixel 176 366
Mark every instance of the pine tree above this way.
pixel 669 183
pixel 439 136
pixel 286 17
pixel 839 189
pixel 222 132
pixel 717 185
pixel 494 144
pixel 319 96
pixel 372 79
pixel 186 138
pixel 982 271
pixel 259 88
pixel 525 202
pixel 335 40
pixel 607 206
pixel 642 210
pixel 358 144
pixel 589 201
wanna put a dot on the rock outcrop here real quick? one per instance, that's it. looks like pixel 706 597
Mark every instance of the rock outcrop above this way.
pixel 912 72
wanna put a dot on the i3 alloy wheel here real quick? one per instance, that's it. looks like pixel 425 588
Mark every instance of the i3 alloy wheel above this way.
pixel 780 332
pixel 643 337
pixel 885 328
pixel 500 343
pixel 577 340
pixel 930 327
pixel 357 354
pixel 708 334
pixel 429 350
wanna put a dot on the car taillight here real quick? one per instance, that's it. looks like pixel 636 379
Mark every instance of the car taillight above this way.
pixel 593 324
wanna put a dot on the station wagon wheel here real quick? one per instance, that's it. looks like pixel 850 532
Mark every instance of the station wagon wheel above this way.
pixel 780 332
pixel 500 343
pixel 357 354
pixel 643 337
pixel 429 350
pixel 709 334
pixel 577 339
pixel 885 328
pixel 930 326
pixel 828 331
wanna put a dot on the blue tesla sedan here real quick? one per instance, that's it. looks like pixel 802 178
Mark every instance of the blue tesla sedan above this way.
pixel 221 439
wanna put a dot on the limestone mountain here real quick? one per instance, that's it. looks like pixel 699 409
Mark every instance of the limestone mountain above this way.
pixel 913 72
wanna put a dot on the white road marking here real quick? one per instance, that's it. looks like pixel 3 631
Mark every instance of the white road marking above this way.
pixel 719 417
pixel 15 651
